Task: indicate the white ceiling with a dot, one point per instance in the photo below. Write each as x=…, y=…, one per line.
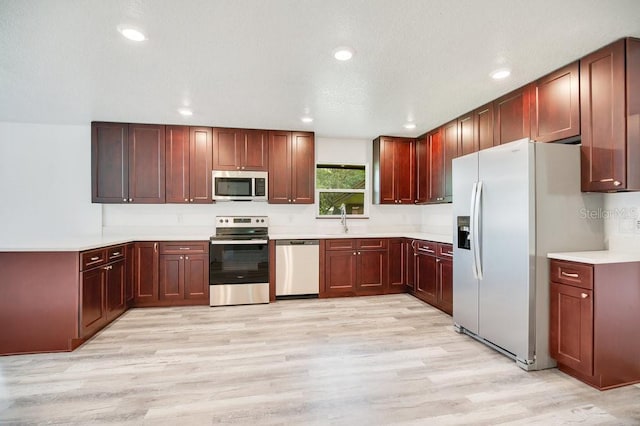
x=264, y=64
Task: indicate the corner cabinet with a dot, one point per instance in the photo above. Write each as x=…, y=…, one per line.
x=291, y=167
x=610, y=121
x=593, y=322
x=393, y=170
x=188, y=164
x=127, y=163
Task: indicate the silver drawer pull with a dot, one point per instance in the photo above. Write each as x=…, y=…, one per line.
x=606, y=180
x=95, y=258
x=567, y=274
x=185, y=248
x=584, y=295
x=115, y=253
x=426, y=249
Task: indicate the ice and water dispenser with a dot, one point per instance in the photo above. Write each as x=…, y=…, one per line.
x=464, y=236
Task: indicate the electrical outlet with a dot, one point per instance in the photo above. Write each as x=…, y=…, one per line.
x=637, y=229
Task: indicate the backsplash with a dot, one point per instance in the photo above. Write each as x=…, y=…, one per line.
x=621, y=216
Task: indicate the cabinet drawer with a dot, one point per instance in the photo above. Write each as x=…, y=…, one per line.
x=93, y=258
x=445, y=250
x=426, y=247
x=372, y=243
x=182, y=247
x=572, y=273
x=340, y=244
x=115, y=253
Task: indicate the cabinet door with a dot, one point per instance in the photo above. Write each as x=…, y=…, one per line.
x=131, y=273
x=422, y=170
x=196, y=276
x=426, y=287
x=92, y=306
x=171, y=279
x=255, y=152
x=397, y=262
x=404, y=163
x=555, y=105
x=115, y=289
x=177, y=164
x=512, y=116
x=146, y=272
x=571, y=327
x=303, y=165
x=387, y=172
x=109, y=162
x=279, y=167
x=467, y=143
x=410, y=266
x=436, y=167
x=603, y=114
x=146, y=163
x=450, y=144
x=445, y=285
x=226, y=146
x=372, y=275
x=483, y=126
x=340, y=272
x=200, y=159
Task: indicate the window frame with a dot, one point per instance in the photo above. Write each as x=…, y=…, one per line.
x=366, y=191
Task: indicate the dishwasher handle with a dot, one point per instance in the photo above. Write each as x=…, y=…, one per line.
x=297, y=242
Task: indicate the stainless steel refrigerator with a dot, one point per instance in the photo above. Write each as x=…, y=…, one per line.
x=513, y=204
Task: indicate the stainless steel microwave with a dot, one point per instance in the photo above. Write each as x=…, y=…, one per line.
x=240, y=186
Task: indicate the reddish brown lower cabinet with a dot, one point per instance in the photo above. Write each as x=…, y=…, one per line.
x=444, y=279
x=433, y=274
x=146, y=273
x=130, y=271
x=594, y=315
x=115, y=289
x=93, y=314
x=183, y=273
x=354, y=267
x=426, y=286
x=398, y=265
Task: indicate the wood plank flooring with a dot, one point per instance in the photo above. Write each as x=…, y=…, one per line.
x=353, y=361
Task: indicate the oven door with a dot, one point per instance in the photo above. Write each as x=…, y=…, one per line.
x=238, y=272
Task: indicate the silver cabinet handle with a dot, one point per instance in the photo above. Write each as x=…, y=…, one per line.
x=186, y=199
x=181, y=258
x=191, y=200
x=116, y=253
x=186, y=257
x=185, y=248
x=124, y=199
x=567, y=274
x=584, y=295
x=616, y=183
x=426, y=250
x=95, y=258
x=354, y=253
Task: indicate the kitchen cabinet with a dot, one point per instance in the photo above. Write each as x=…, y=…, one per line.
x=184, y=272
x=188, y=164
x=355, y=267
x=512, y=116
x=130, y=271
x=422, y=170
x=442, y=149
x=593, y=321
x=467, y=142
x=291, y=167
x=483, y=126
x=127, y=163
x=433, y=274
x=555, y=105
x=240, y=149
x=409, y=266
x=146, y=273
x=102, y=281
x=610, y=117
x=397, y=265
x=394, y=170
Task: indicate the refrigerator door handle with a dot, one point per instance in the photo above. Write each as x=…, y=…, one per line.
x=472, y=225
x=477, y=259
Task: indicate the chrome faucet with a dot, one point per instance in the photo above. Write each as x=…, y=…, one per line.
x=343, y=218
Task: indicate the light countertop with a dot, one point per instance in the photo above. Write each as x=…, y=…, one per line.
x=597, y=257
x=415, y=235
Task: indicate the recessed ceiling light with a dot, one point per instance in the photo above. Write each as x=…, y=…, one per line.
x=186, y=112
x=132, y=33
x=307, y=119
x=410, y=126
x=500, y=74
x=343, y=53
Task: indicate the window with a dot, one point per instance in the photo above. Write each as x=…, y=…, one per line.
x=338, y=184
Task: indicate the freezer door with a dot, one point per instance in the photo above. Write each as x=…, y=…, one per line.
x=465, y=285
x=507, y=247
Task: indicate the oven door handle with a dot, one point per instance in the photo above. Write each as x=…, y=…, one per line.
x=220, y=242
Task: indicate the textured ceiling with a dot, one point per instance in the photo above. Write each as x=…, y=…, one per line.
x=265, y=64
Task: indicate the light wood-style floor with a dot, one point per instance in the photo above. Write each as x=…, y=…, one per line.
x=353, y=361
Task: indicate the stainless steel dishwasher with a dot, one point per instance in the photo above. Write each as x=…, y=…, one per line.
x=297, y=268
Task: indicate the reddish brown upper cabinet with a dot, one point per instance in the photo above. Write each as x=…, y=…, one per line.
x=422, y=170
x=291, y=167
x=512, y=116
x=394, y=170
x=594, y=320
x=240, y=149
x=442, y=149
x=188, y=164
x=610, y=117
x=483, y=126
x=467, y=142
x=555, y=105
x=128, y=163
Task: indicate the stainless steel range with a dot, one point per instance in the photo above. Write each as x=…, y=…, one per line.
x=239, y=261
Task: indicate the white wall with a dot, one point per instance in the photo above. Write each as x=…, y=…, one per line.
x=45, y=183
x=621, y=215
